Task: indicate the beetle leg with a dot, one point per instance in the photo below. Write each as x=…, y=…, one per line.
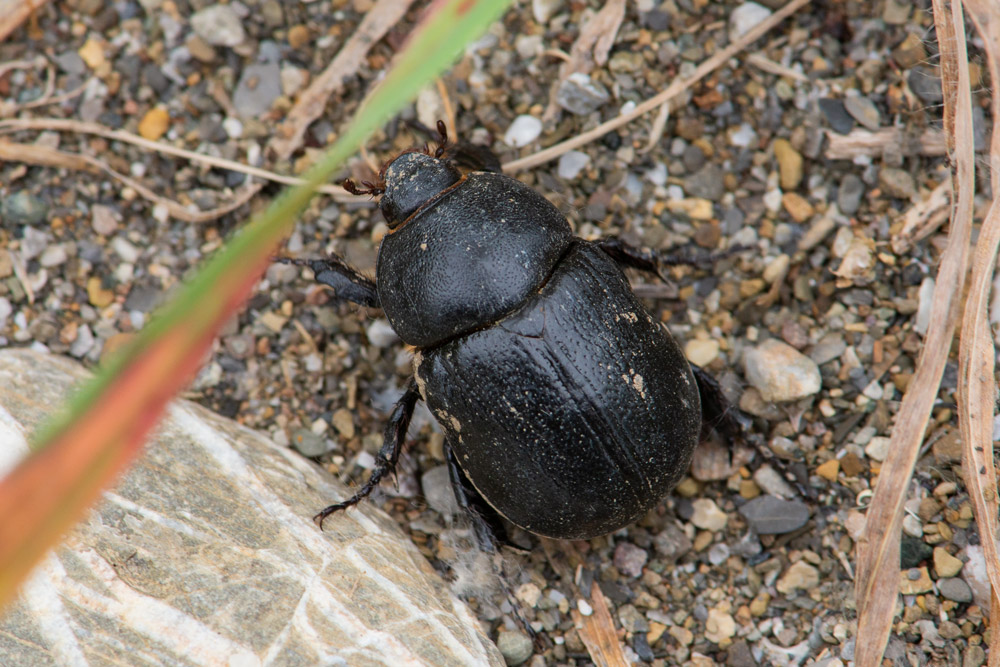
x=388, y=455
x=486, y=522
x=728, y=421
x=645, y=259
x=346, y=281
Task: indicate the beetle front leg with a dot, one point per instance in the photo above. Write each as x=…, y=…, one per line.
x=388, y=455
x=718, y=414
x=347, y=283
x=652, y=261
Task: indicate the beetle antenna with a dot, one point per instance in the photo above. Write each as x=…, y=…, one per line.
x=369, y=188
x=442, y=138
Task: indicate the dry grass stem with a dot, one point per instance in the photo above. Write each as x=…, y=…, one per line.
x=762, y=62
x=80, y=127
x=311, y=104
x=15, y=12
x=673, y=90
x=597, y=632
x=877, y=583
x=977, y=353
x=591, y=47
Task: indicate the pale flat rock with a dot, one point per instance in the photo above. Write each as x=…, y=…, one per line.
x=205, y=553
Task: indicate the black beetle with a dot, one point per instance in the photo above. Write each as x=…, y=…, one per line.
x=566, y=407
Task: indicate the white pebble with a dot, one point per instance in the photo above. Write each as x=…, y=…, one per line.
x=124, y=249
x=743, y=136
x=657, y=174
x=380, y=334
x=925, y=298
x=523, y=131
x=584, y=607
x=571, y=164
x=745, y=17
x=54, y=255
x=233, y=127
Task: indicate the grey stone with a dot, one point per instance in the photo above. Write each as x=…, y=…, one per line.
x=955, y=589
x=23, y=208
x=897, y=183
x=770, y=515
x=630, y=559
x=926, y=84
x=71, y=62
x=308, y=444
x=836, y=115
x=516, y=647
x=580, y=95
x=436, y=485
x=259, y=87
x=864, y=111
x=707, y=183
x=849, y=195
x=205, y=553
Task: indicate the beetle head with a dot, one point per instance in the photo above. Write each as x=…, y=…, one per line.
x=411, y=180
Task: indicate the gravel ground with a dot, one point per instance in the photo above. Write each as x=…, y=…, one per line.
x=814, y=331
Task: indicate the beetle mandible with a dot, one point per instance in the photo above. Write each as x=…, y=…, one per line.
x=566, y=407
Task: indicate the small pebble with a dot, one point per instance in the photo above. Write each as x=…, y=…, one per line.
x=524, y=130
x=926, y=84
x=720, y=626
x=381, y=334
x=955, y=589
x=915, y=581
x=789, y=164
x=718, y=553
x=897, y=183
x=571, y=163
x=438, y=492
x=630, y=559
x=864, y=111
x=154, y=123
x=771, y=481
x=849, y=194
x=343, y=421
x=581, y=95
x=701, y=351
x=516, y=647
x=836, y=115
x=770, y=515
x=877, y=448
x=218, y=25
x=258, y=88
x=910, y=51
x=800, y=576
x=946, y=565
x=745, y=17
x=309, y=444
x=707, y=515
x=23, y=208
x=780, y=372
x=53, y=256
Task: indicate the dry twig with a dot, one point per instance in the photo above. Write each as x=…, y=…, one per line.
x=591, y=47
x=923, y=218
x=856, y=143
x=310, y=105
x=670, y=92
x=877, y=583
